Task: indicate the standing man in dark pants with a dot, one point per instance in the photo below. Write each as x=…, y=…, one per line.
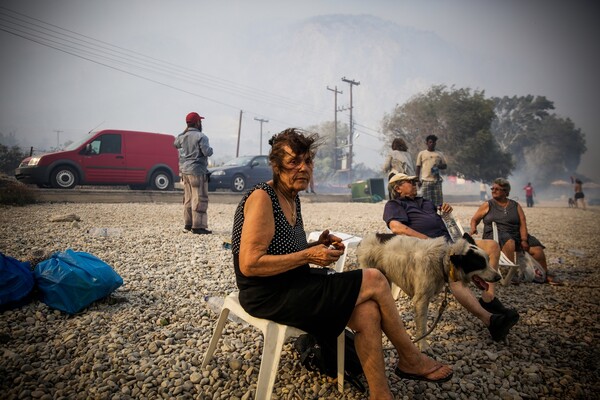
x=529, y=193
x=194, y=151
x=429, y=164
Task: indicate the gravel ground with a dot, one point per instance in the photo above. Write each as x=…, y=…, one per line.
x=148, y=339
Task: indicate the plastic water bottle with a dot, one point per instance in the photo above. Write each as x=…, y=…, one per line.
x=452, y=226
x=105, y=232
x=215, y=304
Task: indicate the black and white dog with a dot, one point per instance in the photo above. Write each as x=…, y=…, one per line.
x=421, y=267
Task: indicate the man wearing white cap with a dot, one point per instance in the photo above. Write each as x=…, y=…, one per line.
x=194, y=150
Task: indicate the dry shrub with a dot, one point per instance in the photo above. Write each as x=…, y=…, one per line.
x=14, y=193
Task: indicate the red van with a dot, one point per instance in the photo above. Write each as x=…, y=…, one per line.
x=108, y=157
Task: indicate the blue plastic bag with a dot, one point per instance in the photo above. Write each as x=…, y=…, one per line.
x=16, y=282
x=70, y=281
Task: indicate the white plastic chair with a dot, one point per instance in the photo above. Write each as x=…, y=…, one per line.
x=348, y=240
x=274, y=334
x=504, y=260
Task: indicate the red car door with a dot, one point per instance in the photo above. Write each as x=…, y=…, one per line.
x=103, y=160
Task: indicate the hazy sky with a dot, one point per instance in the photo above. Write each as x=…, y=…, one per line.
x=542, y=47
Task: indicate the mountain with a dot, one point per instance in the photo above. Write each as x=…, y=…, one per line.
x=390, y=61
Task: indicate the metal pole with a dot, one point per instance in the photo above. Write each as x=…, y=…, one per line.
x=237, y=150
x=335, y=111
x=352, y=83
x=261, y=123
x=57, y=138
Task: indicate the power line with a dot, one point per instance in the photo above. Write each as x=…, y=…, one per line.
x=131, y=54
x=106, y=55
x=139, y=65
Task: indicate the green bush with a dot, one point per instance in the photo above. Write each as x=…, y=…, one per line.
x=14, y=193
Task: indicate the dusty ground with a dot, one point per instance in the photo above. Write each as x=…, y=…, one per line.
x=151, y=342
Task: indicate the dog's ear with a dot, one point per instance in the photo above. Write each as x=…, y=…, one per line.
x=384, y=237
x=468, y=238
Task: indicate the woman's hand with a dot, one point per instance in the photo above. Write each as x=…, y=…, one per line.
x=323, y=255
x=525, y=245
x=331, y=241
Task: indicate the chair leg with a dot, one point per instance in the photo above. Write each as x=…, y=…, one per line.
x=511, y=272
x=215, y=337
x=274, y=338
x=341, y=360
x=395, y=291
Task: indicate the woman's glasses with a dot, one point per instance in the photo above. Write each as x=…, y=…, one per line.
x=497, y=189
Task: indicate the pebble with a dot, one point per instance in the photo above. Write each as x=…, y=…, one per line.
x=151, y=344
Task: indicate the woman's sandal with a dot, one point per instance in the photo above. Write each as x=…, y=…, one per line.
x=415, y=377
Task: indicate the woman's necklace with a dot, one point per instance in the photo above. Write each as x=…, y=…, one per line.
x=292, y=204
x=504, y=207
x=293, y=208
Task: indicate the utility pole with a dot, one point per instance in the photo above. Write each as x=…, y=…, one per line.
x=261, y=123
x=237, y=150
x=335, y=111
x=57, y=138
x=352, y=83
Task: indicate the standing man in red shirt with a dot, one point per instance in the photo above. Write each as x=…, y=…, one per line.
x=529, y=193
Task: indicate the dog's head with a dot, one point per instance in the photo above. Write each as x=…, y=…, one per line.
x=472, y=264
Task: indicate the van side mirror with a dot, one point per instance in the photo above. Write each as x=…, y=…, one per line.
x=254, y=164
x=88, y=149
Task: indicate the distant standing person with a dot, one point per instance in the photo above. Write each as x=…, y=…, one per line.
x=482, y=192
x=429, y=164
x=194, y=150
x=529, y=193
x=399, y=160
x=579, y=196
x=311, y=186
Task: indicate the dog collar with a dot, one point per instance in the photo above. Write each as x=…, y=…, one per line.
x=452, y=273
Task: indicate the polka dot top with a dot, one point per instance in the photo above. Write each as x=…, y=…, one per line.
x=287, y=239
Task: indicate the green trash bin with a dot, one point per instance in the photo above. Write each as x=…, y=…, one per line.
x=368, y=191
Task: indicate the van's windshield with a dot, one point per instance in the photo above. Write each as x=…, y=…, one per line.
x=77, y=143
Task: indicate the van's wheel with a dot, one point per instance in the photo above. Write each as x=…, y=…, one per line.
x=64, y=177
x=238, y=183
x=161, y=180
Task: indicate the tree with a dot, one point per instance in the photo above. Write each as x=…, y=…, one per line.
x=10, y=157
x=517, y=121
x=545, y=147
x=556, y=152
x=9, y=139
x=327, y=152
x=461, y=120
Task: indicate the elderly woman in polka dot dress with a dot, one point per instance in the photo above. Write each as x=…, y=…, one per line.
x=271, y=260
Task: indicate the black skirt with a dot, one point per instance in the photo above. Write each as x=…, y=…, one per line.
x=317, y=302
